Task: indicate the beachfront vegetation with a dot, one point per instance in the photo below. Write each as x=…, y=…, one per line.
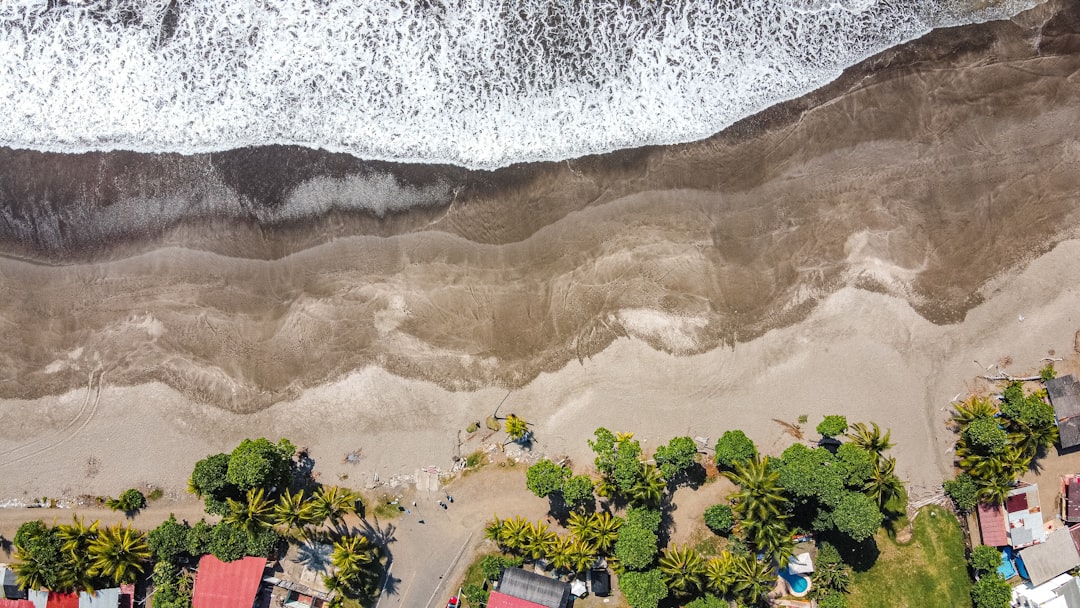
x=997, y=443
x=130, y=502
x=517, y=428
x=842, y=493
x=832, y=426
x=78, y=557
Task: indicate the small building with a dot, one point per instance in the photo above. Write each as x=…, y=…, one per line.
x=221, y=584
x=9, y=587
x=1070, y=498
x=1023, y=516
x=520, y=589
x=1059, y=592
x=1046, y=560
x=992, y=525
x=102, y=598
x=1064, y=393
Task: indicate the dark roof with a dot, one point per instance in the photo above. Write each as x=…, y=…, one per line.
x=1048, y=559
x=501, y=600
x=1064, y=393
x=1069, y=432
x=1016, y=502
x=601, y=582
x=533, y=588
x=227, y=585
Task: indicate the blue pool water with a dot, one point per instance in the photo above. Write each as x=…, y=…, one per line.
x=797, y=582
x=1006, y=569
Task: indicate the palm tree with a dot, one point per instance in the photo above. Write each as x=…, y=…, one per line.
x=720, y=573
x=582, y=554
x=992, y=490
x=870, y=440
x=753, y=579
x=493, y=530
x=29, y=572
x=684, y=570
x=538, y=540
x=649, y=490
x=77, y=536
x=333, y=503
x=293, y=512
x=582, y=525
x=252, y=515
x=974, y=407
x=514, y=533
x=774, y=539
x=883, y=484
x=760, y=496
x=516, y=427
x=606, y=531
x=119, y=553
x=560, y=553
x=350, y=555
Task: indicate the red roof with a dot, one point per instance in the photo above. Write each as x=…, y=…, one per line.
x=62, y=600
x=992, y=525
x=227, y=585
x=16, y=604
x=501, y=600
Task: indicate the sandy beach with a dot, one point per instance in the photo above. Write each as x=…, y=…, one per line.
x=868, y=250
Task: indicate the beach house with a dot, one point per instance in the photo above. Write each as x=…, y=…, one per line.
x=520, y=589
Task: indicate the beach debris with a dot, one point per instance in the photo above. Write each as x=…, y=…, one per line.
x=353, y=457
x=791, y=429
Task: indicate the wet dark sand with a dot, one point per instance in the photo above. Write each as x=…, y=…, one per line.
x=243, y=277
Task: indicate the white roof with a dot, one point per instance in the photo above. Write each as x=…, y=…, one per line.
x=578, y=588
x=801, y=564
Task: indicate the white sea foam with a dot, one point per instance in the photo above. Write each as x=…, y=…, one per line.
x=479, y=83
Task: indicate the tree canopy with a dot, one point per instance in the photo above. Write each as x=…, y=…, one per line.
x=257, y=463
x=546, y=478
x=734, y=447
x=676, y=457
x=833, y=426
x=636, y=547
x=643, y=589
x=857, y=516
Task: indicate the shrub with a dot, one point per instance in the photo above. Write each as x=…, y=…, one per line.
x=991, y=591
x=1047, y=373
x=169, y=541
x=643, y=589
x=986, y=435
x=636, y=547
x=720, y=519
x=985, y=559
x=708, y=601
x=676, y=457
x=833, y=599
x=578, y=490
x=643, y=517
x=129, y=501
x=857, y=516
x=546, y=478
x=475, y=595
x=492, y=565
x=733, y=447
x=963, y=492
x=832, y=426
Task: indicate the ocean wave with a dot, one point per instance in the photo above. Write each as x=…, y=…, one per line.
x=477, y=83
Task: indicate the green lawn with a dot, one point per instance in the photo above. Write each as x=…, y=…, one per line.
x=927, y=572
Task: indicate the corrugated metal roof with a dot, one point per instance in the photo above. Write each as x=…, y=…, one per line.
x=501, y=600
x=1069, y=432
x=1072, y=502
x=992, y=525
x=534, y=588
x=1064, y=393
x=1050, y=558
x=102, y=598
x=227, y=585
x=16, y=604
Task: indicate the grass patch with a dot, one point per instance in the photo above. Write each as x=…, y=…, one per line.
x=927, y=572
x=382, y=508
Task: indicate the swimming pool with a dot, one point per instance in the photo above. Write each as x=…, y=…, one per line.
x=798, y=583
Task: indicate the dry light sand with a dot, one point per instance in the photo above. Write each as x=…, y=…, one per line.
x=867, y=250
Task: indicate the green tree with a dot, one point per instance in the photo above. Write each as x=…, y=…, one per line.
x=546, y=478
x=208, y=482
x=578, y=492
x=831, y=573
x=857, y=465
x=605, y=531
x=719, y=519
x=77, y=536
x=259, y=464
x=643, y=589
x=350, y=555
x=870, y=438
x=991, y=591
x=493, y=565
x=676, y=458
x=732, y=448
x=708, y=601
x=228, y=542
x=973, y=409
x=538, y=541
x=649, y=488
x=41, y=561
x=832, y=426
x=636, y=547
x=720, y=573
x=644, y=517
x=963, y=492
x=883, y=484
x=857, y=516
x=199, y=538
x=986, y=436
x=812, y=473
x=169, y=541
x=985, y=559
x=514, y=533
x=833, y=599
x=119, y=554
x=683, y=570
x=130, y=501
